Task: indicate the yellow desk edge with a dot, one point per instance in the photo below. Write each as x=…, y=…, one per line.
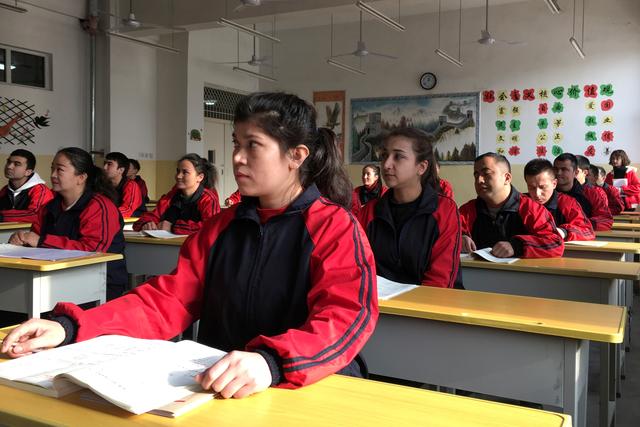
x=37, y=265
x=177, y=241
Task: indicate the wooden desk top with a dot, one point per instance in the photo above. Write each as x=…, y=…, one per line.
x=569, y=319
x=614, y=247
x=14, y=225
x=36, y=265
x=130, y=220
x=578, y=267
x=627, y=218
x=625, y=226
x=177, y=241
x=336, y=400
x=625, y=234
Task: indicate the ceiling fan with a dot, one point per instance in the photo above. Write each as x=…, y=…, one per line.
x=255, y=61
x=131, y=21
x=485, y=36
x=361, y=49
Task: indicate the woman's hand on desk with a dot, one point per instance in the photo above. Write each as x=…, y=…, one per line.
x=468, y=245
x=149, y=226
x=238, y=374
x=165, y=225
x=32, y=336
x=502, y=250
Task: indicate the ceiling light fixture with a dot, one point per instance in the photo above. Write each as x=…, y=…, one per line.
x=345, y=66
x=577, y=46
x=445, y=55
x=441, y=53
x=553, y=6
x=254, y=74
x=240, y=27
x=380, y=16
x=143, y=42
x=13, y=8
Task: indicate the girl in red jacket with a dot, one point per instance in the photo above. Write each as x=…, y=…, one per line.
x=414, y=229
x=623, y=176
x=190, y=202
x=372, y=188
x=285, y=281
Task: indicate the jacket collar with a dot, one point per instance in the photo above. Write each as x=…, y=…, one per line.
x=181, y=200
x=511, y=205
x=248, y=208
x=427, y=205
x=56, y=205
x=552, y=203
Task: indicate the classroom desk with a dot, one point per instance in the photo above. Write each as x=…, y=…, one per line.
x=525, y=348
x=151, y=256
x=128, y=223
x=8, y=228
x=627, y=217
x=625, y=226
x=151, y=205
x=618, y=236
x=33, y=287
x=336, y=400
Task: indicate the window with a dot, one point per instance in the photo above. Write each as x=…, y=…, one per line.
x=220, y=104
x=24, y=67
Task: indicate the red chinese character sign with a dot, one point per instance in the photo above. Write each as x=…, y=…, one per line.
x=526, y=122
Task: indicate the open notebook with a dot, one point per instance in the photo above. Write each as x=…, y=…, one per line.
x=135, y=374
x=158, y=234
x=44, y=254
x=485, y=253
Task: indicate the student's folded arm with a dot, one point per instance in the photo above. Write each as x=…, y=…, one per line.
x=159, y=309
x=152, y=216
x=467, y=217
x=542, y=240
x=342, y=304
x=577, y=225
x=39, y=196
x=131, y=199
x=445, y=253
x=601, y=218
x=633, y=185
x=182, y=226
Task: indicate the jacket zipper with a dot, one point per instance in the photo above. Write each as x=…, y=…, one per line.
x=253, y=276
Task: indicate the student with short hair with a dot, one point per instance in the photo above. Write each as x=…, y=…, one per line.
x=629, y=183
x=371, y=188
x=81, y=216
x=592, y=201
x=284, y=324
x=26, y=192
x=596, y=178
x=132, y=174
x=190, y=202
x=414, y=230
x=502, y=219
x=567, y=213
x=129, y=197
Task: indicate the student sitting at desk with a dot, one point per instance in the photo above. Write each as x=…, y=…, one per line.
x=592, y=201
x=190, y=202
x=26, y=192
x=371, y=188
x=132, y=174
x=624, y=177
x=502, y=219
x=81, y=216
x=285, y=325
x=596, y=178
x=567, y=213
x=414, y=231
x=129, y=199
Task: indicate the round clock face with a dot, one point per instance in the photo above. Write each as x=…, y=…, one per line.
x=428, y=81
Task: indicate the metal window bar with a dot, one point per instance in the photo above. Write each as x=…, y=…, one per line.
x=220, y=104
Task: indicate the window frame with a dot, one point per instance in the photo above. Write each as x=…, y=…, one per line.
x=48, y=73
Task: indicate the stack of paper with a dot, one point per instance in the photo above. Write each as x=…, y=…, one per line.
x=43, y=254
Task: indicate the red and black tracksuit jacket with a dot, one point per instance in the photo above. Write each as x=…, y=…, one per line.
x=362, y=195
x=615, y=203
x=426, y=249
x=234, y=198
x=25, y=206
x=526, y=224
x=300, y=289
x=568, y=215
x=593, y=204
x=446, y=188
x=631, y=191
x=144, y=191
x=186, y=214
x=92, y=224
x=129, y=201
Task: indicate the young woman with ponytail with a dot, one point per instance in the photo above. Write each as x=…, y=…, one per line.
x=284, y=281
x=413, y=229
x=81, y=216
x=191, y=201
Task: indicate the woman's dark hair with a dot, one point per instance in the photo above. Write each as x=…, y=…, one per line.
x=622, y=154
x=292, y=121
x=423, y=150
x=202, y=166
x=96, y=179
x=375, y=168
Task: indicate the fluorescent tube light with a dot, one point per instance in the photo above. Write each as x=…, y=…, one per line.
x=345, y=66
x=380, y=16
x=577, y=47
x=239, y=27
x=448, y=57
x=13, y=8
x=143, y=42
x=553, y=6
x=258, y=75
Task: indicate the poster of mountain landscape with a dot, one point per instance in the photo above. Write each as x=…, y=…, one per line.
x=450, y=121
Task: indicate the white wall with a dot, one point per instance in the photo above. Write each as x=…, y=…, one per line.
x=67, y=103
x=547, y=60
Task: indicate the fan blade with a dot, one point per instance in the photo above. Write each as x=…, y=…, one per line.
x=511, y=43
x=239, y=8
x=382, y=55
x=232, y=62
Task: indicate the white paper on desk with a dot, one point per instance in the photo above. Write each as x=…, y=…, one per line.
x=161, y=234
x=592, y=243
x=486, y=254
x=133, y=233
x=620, y=182
x=43, y=254
x=388, y=289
